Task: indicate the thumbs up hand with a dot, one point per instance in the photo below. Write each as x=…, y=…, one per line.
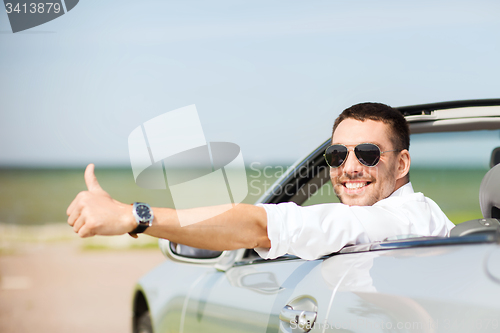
x=91, y=179
x=94, y=212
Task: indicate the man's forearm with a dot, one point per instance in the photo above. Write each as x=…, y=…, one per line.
x=243, y=226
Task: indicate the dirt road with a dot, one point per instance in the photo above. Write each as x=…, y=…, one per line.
x=59, y=287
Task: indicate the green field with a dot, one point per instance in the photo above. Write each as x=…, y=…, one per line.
x=456, y=191
x=40, y=196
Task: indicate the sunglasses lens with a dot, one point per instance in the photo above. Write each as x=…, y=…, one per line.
x=335, y=155
x=367, y=154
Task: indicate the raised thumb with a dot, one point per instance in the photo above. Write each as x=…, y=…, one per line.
x=91, y=180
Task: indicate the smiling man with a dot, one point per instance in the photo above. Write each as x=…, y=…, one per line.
x=379, y=136
x=369, y=164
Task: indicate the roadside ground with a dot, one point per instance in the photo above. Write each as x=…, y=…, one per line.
x=53, y=281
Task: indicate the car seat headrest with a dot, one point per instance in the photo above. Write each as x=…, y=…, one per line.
x=495, y=157
x=489, y=193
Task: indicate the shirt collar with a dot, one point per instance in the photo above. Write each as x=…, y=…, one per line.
x=403, y=190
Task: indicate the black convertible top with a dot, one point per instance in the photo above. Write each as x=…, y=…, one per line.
x=427, y=108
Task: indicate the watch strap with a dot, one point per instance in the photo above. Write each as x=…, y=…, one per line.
x=140, y=228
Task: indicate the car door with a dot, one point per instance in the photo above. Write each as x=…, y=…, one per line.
x=259, y=296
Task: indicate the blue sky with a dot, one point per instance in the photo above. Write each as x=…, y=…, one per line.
x=270, y=76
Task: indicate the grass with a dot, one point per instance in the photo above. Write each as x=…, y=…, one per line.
x=15, y=238
x=131, y=246
x=41, y=196
x=456, y=191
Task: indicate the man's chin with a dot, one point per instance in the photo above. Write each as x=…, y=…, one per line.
x=358, y=196
x=351, y=202
x=355, y=200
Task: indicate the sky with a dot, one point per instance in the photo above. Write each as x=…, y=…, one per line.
x=270, y=76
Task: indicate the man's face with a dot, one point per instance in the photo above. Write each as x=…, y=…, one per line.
x=354, y=183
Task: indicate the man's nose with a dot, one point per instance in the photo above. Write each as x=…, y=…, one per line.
x=352, y=165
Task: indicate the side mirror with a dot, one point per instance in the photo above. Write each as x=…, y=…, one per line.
x=221, y=260
x=192, y=252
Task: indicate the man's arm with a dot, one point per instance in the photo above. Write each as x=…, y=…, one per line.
x=94, y=212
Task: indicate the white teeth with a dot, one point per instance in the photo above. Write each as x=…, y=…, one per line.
x=354, y=185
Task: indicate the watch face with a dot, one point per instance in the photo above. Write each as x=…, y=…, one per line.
x=143, y=212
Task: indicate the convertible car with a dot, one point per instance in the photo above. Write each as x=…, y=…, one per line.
x=405, y=284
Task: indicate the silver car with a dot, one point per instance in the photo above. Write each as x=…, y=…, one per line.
x=405, y=284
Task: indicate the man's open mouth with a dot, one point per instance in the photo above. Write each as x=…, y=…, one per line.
x=355, y=185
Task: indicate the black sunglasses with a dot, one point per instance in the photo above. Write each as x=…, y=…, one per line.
x=367, y=154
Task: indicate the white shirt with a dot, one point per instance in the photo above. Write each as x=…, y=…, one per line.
x=314, y=231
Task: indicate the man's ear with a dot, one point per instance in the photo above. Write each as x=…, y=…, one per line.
x=403, y=163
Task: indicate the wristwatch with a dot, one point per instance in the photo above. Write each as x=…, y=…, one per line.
x=143, y=215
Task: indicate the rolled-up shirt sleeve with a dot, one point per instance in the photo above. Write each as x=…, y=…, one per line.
x=313, y=231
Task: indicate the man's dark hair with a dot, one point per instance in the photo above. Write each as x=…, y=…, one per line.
x=400, y=137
